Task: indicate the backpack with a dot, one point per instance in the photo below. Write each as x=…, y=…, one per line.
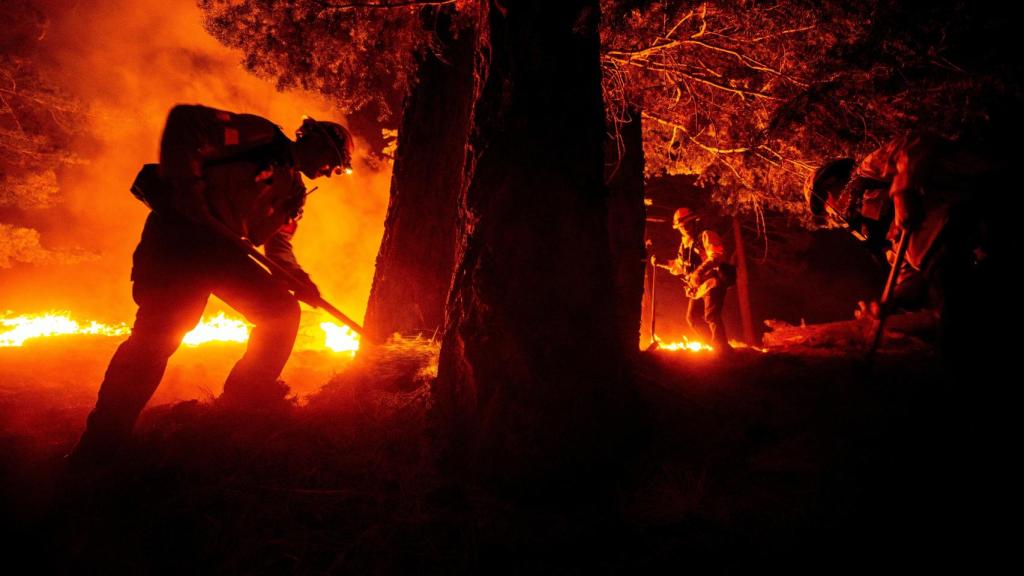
x=150, y=189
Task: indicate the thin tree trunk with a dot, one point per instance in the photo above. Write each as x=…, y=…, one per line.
x=743, y=283
x=624, y=172
x=417, y=254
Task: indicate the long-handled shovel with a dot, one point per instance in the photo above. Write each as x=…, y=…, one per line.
x=885, y=306
x=654, y=306
x=149, y=186
x=292, y=281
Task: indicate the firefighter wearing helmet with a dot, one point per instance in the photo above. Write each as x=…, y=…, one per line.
x=221, y=176
x=702, y=262
x=937, y=192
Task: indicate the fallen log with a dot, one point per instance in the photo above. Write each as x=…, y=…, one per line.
x=850, y=333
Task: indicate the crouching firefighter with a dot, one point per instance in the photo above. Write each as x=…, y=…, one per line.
x=702, y=263
x=222, y=177
x=940, y=195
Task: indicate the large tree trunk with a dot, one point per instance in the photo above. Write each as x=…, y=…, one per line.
x=624, y=172
x=531, y=357
x=417, y=254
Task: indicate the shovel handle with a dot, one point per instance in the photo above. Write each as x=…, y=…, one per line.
x=885, y=305
x=277, y=270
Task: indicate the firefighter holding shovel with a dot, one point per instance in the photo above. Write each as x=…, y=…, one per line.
x=225, y=182
x=931, y=202
x=702, y=261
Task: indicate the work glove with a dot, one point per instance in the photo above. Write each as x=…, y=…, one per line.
x=307, y=292
x=867, y=310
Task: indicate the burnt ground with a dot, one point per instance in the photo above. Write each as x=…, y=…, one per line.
x=805, y=460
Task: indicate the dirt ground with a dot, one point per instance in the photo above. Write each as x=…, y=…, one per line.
x=804, y=460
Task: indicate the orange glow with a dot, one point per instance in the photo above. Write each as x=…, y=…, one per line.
x=340, y=338
x=220, y=328
x=18, y=329
x=685, y=344
x=151, y=56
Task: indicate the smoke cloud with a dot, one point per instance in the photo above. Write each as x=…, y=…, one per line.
x=128, y=62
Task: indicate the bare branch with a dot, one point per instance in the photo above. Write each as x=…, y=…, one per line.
x=42, y=100
x=644, y=51
x=736, y=173
x=747, y=61
x=682, y=21
x=691, y=138
x=743, y=93
x=382, y=5
x=780, y=163
x=944, y=62
x=14, y=83
x=804, y=166
x=782, y=33
x=14, y=115
x=703, y=21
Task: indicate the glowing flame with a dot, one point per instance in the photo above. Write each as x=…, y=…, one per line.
x=21, y=328
x=340, y=338
x=685, y=344
x=220, y=328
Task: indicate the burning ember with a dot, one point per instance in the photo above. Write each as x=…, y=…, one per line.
x=340, y=338
x=685, y=344
x=17, y=329
x=219, y=328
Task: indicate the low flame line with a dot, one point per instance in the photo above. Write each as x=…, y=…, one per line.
x=16, y=330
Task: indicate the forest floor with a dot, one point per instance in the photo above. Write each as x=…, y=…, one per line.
x=803, y=459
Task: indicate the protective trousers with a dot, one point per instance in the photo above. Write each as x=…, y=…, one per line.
x=177, y=265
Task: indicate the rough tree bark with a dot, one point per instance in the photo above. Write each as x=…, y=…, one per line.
x=417, y=254
x=531, y=357
x=624, y=173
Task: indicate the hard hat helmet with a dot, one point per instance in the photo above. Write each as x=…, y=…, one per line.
x=824, y=186
x=682, y=216
x=338, y=138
